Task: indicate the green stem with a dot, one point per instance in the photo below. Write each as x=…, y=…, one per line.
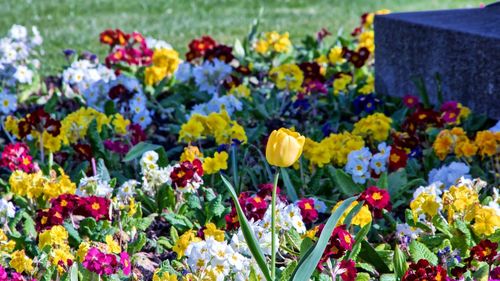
x=234, y=168
x=273, y=228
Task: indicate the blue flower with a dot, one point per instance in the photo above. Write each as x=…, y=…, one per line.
x=143, y=118
x=230, y=103
x=210, y=74
x=449, y=174
x=8, y=102
x=378, y=163
x=184, y=72
x=384, y=149
x=366, y=103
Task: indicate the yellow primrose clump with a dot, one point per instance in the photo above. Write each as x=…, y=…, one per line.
x=486, y=221
x=183, y=242
x=375, y=127
x=212, y=231
x=287, y=77
x=460, y=202
x=362, y=218
x=165, y=63
x=34, y=185
x=426, y=204
x=218, y=125
x=216, y=163
x=340, y=83
x=273, y=41
x=20, y=262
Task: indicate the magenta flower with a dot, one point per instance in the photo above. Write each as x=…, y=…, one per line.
x=125, y=263
x=411, y=101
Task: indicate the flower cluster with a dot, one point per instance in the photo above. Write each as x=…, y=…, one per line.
x=15, y=156
x=165, y=63
x=218, y=125
x=35, y=185
x=273, y=42
x=374, y=127
x=361, y=164
x=333, y=149
x=129, y=48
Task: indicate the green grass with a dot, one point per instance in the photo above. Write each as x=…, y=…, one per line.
x=76, y=24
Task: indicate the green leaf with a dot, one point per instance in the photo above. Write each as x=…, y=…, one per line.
x=363, y=276
x=419, y=251
x=400, y=265
x=73, y=233
x=290, y=190
x=344, y=182
x=29, y=226
x=139, y=149
x=382, y=181
x=95, y=140
x=137, y=245
x=248, y=233
x=360, y=236
x=371, y=256
x=308, y=263
x=73, y=272
x=102, y=171
x=288, y=271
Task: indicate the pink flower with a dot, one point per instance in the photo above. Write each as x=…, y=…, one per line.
x=411, y=101
x=125, y=263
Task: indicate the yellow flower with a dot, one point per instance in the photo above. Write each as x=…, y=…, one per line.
x=120, y=123
x=190, y=131
x=20, y=262
x=6, y=245
x=261, y=47
x=424, y=204
x=183, y=242
x=443, y=144
x=83, y=248
x=362, y=218
x=486, y=221
x=11, y=125
x=367, y=40
x=335, y=55
x=215, y=164
x=284, y=147
x=460, y=202
x=190, y=153
x=241, y=91
x=166, y=58
x=486, y=141
x=60, y=256
x=287, y=76
x=164, y=276
x=318, y=154
x=154, y=74
x=113, y=246
x=51, y=143
x=57, y=235
x=375, y=127
x=75, y=125
x=280, y=43
x=340, y=84
x=465, y=148
x=36, y=184
x=212, y=231
x=369, y=87
x=369, y=20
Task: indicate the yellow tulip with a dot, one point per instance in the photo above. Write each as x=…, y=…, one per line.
x=284, y=147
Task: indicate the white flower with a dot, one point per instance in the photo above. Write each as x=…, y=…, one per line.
x=7, y=210
x=434, y=188
x=37, y=38
x=127, y=189
x=23, y=74
x=149, y=157
x=154, y=44
x=8, y=102
x=18, y=32
x=403, y=229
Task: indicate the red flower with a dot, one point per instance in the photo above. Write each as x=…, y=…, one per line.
x=348, y=270
x=220, y=52
x=117, y=146
x=137, y=134
x=45, y=219
x=495, y=274
x=95, y=207
x=358, y=58
x=198, y=47
x=484, y=251
x=322, y=34
x=397, y=159
x=16, y=157
x=311, y=72
x=84, y=151
x=340, y=242
x=423, y=270
x=307, y=210
x=183, y=174
x=411, y=101
x=65, y=203
x=39, y=121
x=377, y=199
x=114, y=37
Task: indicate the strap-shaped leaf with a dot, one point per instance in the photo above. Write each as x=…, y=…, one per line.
x=248, y=233
x=290, y=190
x=308, y=263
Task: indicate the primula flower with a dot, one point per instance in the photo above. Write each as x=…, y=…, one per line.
x=220, y=52
x=287, y=77
x=95, y=207
x=484, y=251
x=411, y=101
x=16, y=157
x=340, y=242
x=198, y=47
x=307, y=210
x=185, y=172
x=377, y=199
x=214, y=164
x=347, y=270
x=423, y=270
x=20, y=262
x=125, y=263
x=397, y=159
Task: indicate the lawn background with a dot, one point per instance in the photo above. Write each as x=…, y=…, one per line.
x=76, y=24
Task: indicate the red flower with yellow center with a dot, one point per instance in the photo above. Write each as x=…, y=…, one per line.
x=307, y=210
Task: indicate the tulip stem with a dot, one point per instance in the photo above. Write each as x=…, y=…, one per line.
x=273, y=228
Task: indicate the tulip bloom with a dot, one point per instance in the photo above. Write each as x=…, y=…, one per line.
x=284, y=147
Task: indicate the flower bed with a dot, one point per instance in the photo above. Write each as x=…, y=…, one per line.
x=264, y=160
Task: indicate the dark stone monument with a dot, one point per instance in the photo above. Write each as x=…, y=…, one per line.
x=463, y=46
